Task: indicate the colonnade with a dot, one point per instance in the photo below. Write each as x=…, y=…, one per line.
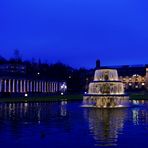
x=23, y=86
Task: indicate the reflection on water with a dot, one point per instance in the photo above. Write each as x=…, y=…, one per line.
x=137, y=102
x=63, y=108
x=65, y=124
x=31, y=112
x=140, y=117
x=106, y=124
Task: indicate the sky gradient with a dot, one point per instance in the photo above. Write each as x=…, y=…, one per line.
x=76, y=32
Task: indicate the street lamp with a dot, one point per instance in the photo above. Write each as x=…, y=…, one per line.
x=63, y=88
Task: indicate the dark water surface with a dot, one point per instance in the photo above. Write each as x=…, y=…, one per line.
x=59, y=125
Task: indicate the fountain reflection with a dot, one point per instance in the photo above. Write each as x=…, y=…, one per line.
x=105, y=125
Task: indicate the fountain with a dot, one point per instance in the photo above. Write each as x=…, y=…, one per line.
x=106, y=91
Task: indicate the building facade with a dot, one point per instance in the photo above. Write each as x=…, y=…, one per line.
x=133, y=82
x=25, y=87
x=14, y=81
x=134, y=77
x=12, y=68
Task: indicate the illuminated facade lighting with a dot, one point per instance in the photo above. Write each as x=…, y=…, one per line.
x=143, y=84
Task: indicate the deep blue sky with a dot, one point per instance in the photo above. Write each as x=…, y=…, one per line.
x=76, y=32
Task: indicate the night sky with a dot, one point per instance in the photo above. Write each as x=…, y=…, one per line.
x=76, y=32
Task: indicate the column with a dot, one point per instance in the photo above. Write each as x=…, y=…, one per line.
x=17, y=85
x=34, y=88
x=5, y=85
x=45, y=87
x=25, y=86
x=56, y=86
x=30, y=86
x=49, y=86
x=42, y=86
x=52, y=86
x=13, y=86
x=21, y=86
x=9, y=88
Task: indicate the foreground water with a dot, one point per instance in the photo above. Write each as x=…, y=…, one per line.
x=67, y=125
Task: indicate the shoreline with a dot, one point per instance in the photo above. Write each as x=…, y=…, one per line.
x=55, y=98
x=58, y=98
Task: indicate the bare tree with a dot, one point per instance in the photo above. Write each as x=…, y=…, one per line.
x=17, y=56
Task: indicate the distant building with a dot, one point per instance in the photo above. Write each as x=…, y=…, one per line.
x=134, y=77
x=25, y=86
x=12, y=69
x=14, y=82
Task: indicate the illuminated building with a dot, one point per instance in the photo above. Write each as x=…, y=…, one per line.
x=15, y=82
x=134, y=77
x=12, y=86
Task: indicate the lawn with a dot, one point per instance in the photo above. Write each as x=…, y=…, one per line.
x=74, y=97
x=44, y=99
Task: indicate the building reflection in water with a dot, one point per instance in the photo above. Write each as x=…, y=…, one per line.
x=63, y=108
x=17, y=119
x=137, y=102
x=139, y=114
x=105, y=125
x=26, y=112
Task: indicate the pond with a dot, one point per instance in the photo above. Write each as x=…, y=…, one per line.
x=67, y=125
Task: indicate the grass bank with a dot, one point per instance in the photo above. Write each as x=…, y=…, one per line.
x=74, y=97
x=44, y=99
x=139, y=97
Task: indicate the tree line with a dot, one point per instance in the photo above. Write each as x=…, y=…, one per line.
x=77, y=79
